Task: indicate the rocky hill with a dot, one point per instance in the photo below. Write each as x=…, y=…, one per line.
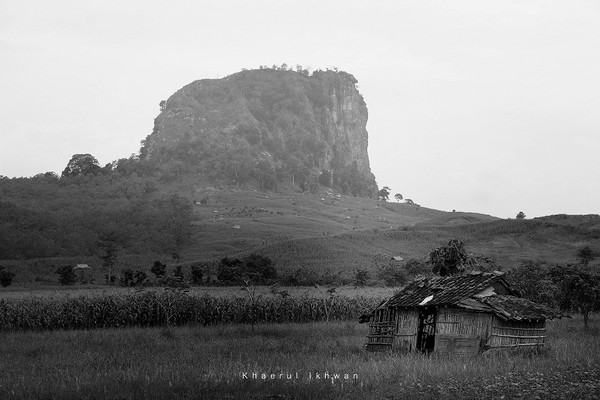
x=267, y=128
x=266, y=161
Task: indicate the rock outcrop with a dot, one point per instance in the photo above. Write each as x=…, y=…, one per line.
x=268, y=127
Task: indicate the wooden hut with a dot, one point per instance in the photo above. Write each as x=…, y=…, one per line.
x=466, y=313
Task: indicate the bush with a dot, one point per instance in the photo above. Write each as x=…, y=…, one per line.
x=197, y=274
x=300, y=277
x=361, y=277
x=127, y=278
x=260, y=266
x=140, y=277
x=415, y=267
x=203, y=272
x=66, y=275
x=325, y=178
x=392, y=275
x=158, y=269
x=178, y=272
x=6, y=277
x=133, y=278
x=173, y=282
x=255, y=267
x=230, y=270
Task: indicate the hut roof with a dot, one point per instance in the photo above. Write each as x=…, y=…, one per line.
x=517, y=308
x=445, y=290
x=469, y=292
x=82, y=266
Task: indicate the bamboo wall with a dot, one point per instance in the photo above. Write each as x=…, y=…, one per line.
x=517, y=333
x=381, y=330
x=459, y=322
x=459, y=331
x=407, y=326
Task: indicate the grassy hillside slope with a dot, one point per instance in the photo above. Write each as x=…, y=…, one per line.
x=340, y=233
x=328, y=232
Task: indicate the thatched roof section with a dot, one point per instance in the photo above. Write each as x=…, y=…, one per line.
x=513, y=308
x=445, y=290
x=470, y=292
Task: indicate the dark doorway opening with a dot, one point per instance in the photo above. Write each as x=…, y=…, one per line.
x=426, y=333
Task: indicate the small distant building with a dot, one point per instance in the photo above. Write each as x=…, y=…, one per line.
x=397, y=258
x=84, y=272
x=466, y=313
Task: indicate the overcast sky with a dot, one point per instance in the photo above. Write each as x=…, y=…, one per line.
x=484, y=106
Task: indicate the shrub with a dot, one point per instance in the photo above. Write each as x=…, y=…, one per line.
x=158, y=269
x=133, y=278
x=361, y=277
x=392, y=275
x=66, y=275
x=110, y=280
x=173, y=282
x=325, y=178
x=6, y=277
x=140, y=277
x=127, y=278
x=415, y=267
x=300, y=277
x=230, y=270
x=197, y=274
x=178, y=272
x=254, y=267
x=260, y=266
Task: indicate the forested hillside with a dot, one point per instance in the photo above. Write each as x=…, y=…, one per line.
x=89, y=214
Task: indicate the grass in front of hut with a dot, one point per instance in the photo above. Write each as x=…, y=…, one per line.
x=288, y=360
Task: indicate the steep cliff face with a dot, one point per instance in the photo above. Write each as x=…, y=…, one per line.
x=269, y=127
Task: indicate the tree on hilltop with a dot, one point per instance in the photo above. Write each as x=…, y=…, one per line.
x=384, y=193
x=82, y=164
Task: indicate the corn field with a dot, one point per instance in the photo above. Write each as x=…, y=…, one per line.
x=172, y=307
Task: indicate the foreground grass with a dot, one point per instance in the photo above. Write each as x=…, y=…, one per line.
x=197, y=362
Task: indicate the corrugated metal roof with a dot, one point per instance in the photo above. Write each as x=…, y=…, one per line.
x=445, y=290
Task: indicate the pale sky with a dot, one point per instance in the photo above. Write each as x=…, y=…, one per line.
x=483, y=106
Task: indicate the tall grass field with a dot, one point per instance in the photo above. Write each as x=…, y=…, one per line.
x=322, y=360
